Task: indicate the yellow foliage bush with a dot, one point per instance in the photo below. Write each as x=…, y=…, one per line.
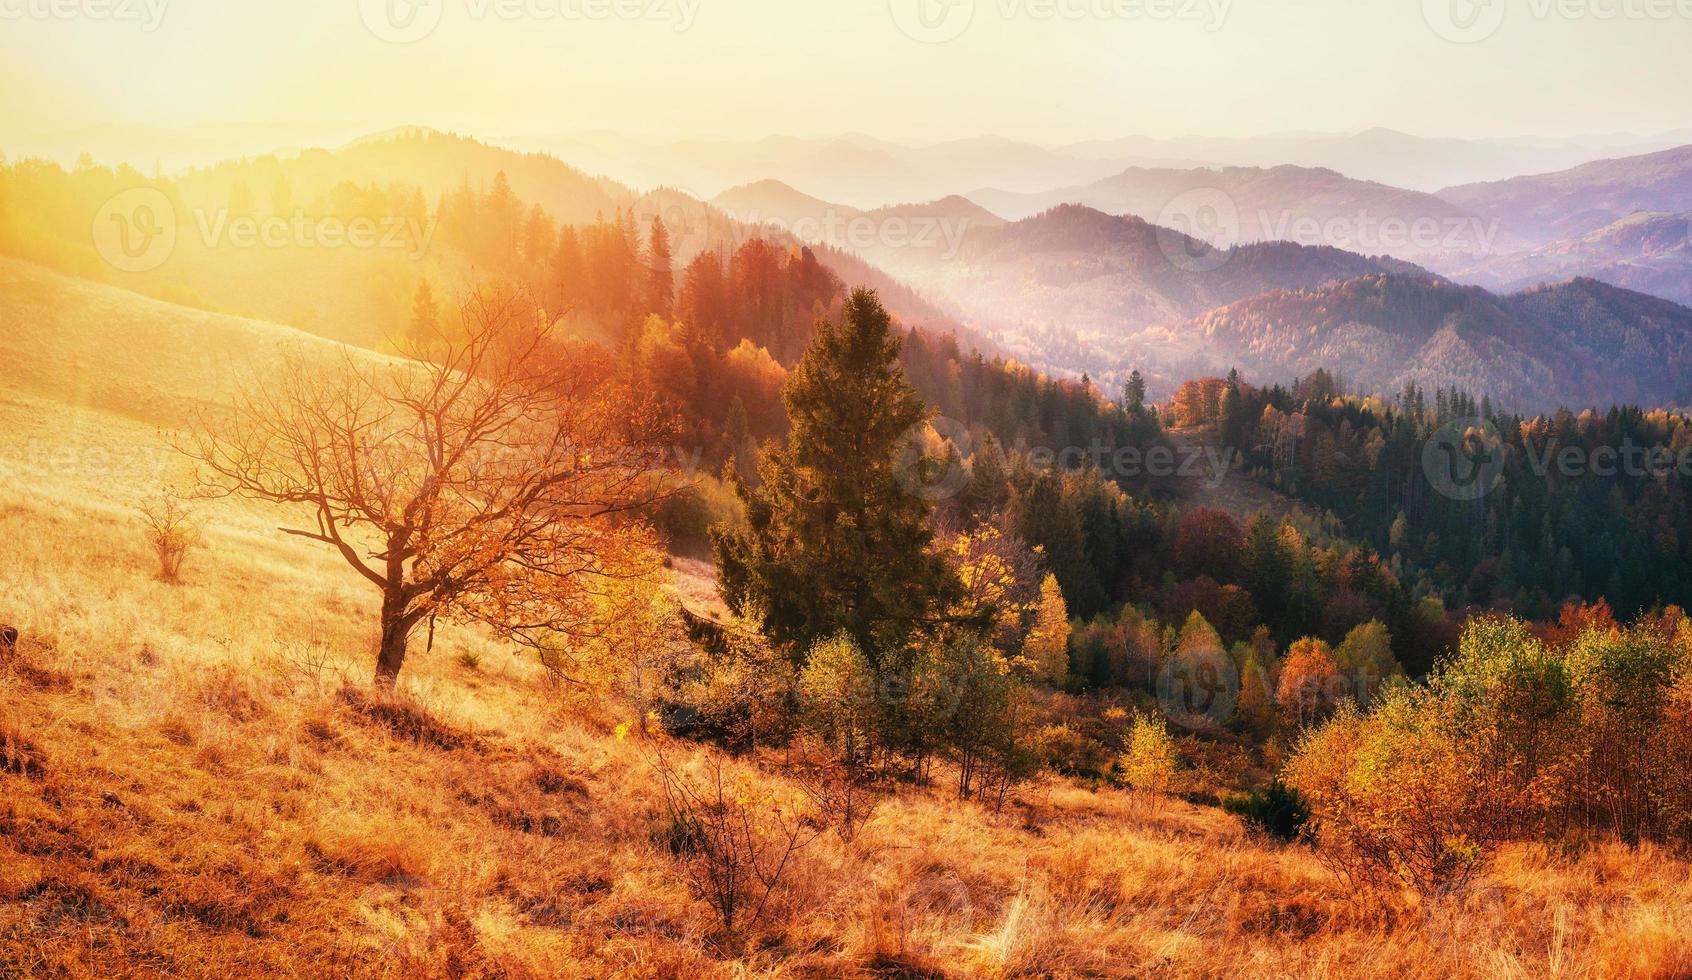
x=1149, y=762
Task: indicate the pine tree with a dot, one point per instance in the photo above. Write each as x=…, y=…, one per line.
x=738, y=441
x=661, y=277
x=1232, y=420
x=425, y=316
x=989, y=480
x=1134, y=394
x=567, y=271
x=502, y=214
x=1046, y=517
x=834, y=543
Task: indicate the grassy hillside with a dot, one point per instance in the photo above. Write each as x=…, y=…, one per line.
x=195, y=780
x=95, y=347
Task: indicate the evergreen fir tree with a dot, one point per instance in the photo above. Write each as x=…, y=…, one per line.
x=989, y=480
x=425, y=315
x=661, y=277
x=834, y=543
x=1134, y=394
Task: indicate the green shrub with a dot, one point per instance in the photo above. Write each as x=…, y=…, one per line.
x=686, y=517
x=1275, y=811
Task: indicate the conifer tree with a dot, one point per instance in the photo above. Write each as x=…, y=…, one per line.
x=661, y=277
x=989, y=480
x=1046, y=518
x=425, y=316
x=834, y=542
x=1134, y=394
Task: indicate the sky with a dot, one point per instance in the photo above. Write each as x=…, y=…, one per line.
x=1048, y=71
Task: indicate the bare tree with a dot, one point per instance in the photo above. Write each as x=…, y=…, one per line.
x=500, y=479
x=171, y=531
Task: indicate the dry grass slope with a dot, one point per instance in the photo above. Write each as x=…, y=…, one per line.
x=195, y=782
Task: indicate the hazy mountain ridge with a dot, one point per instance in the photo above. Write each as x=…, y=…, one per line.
x=1312, y=206
x=1578, y=343
x=435, y=162
x=869, y=172
x=857, y=170
x=1649, y=252
x=1069, y=290
x=1547, y=207
x=438, y=164
x=1387, y=155
x=1067, y=287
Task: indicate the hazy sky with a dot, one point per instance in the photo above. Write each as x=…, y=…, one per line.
x=915, y=70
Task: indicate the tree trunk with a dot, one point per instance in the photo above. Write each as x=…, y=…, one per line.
x=396, y=631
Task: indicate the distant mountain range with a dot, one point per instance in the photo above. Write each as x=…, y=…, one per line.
x=856, y=170
x=1388, y=156
x=435, y=162
x=867, y=172
x=1092, y=278
x=439, y=163
x=1621, y=221
x=1065, y=288
x=897, y=238
x=1286, y=203
x=1074, y=289
x=1583, y=199
x=1579, y=343
x=1647, y=251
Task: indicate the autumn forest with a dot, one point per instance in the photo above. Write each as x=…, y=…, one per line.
x=446, y=554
